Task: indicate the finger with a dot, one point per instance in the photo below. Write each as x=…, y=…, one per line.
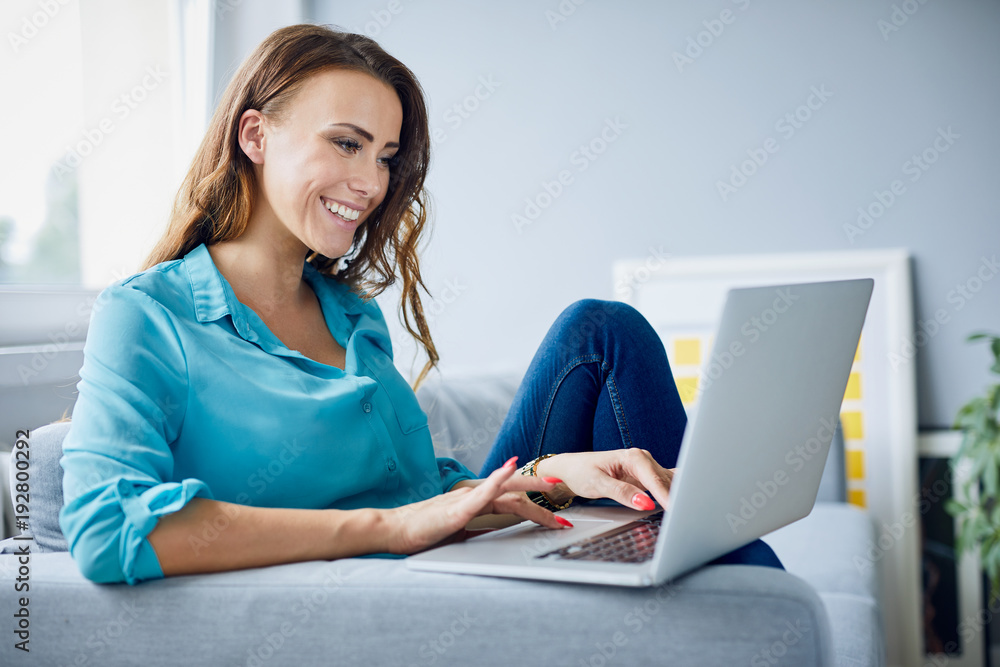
x=652, y=476
x=519, y=504
x=491, y=487
x=531, y=483
x=627, y=494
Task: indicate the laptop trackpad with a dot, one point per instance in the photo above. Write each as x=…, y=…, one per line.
x=585, y=520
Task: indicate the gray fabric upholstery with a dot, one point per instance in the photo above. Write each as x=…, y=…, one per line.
x=827, y=549
x=45, y=448
x=823, y=611
x=376, y=612
x=464, y=414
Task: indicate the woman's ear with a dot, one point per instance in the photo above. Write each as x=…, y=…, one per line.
x=251, y=135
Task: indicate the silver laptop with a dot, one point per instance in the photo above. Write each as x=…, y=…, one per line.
x=750, y=461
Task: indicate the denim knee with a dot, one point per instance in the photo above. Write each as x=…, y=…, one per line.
x=583, y=319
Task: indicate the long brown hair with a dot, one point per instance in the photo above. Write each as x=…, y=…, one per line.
x=217, y=196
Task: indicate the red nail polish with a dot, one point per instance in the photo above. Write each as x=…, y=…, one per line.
x=564, y=522
x=510, y=462
x=552, y=480
x=642, y=501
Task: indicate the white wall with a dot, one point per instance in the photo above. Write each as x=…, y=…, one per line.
x=556, y=85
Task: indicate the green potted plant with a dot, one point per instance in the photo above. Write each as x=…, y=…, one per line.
x=976, y=502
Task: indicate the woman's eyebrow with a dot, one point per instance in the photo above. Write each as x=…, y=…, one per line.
x=364, y=133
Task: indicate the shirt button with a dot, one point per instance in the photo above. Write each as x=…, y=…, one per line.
x=391, y=465
x=367, y=407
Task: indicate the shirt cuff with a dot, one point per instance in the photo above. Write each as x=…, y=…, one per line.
x=452, y=472
x=142, y=511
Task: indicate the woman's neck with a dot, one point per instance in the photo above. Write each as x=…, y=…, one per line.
x=263, y=274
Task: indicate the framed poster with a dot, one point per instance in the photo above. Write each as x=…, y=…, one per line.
x=683, y=298
x=956, y=616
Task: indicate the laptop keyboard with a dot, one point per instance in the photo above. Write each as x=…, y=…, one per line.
x=632, y=543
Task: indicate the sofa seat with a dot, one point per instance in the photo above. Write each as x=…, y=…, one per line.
x=377, y=612
x=823, y=611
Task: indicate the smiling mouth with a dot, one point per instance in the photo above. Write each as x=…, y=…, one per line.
x=345, y=212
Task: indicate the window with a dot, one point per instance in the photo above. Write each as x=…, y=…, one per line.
x=43, y=116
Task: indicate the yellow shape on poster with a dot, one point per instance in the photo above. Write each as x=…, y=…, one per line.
x=853, y=426
x=687, y=387
x=857, y=497
x=687, y=352
x=857, y=352
x=855, y=464
x=853, y=386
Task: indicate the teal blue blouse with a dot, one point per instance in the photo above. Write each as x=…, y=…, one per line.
x=185, y=392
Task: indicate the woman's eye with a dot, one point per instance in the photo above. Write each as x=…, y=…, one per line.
x=349, y=145
x=389, y=161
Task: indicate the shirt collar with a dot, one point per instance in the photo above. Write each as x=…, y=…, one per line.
x=214, y=297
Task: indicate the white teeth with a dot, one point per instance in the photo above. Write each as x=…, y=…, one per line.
x=342, y=211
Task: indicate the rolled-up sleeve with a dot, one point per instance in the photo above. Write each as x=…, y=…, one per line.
x=117, y=461
x=452, y=472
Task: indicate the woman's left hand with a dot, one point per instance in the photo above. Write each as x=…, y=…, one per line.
x=621, y=474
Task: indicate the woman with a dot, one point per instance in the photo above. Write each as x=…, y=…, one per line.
x=238, y=406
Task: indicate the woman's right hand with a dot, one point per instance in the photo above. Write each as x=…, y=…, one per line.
x=418, y=526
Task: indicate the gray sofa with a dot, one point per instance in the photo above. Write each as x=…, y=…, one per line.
x=823, y=611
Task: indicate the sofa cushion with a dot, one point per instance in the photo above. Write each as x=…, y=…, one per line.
x=45, y=450
x=828, y=549
x=378, y=612
x=464, y=414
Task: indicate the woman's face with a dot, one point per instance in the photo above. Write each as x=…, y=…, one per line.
x=324, y=167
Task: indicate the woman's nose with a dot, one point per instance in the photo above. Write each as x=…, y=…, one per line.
x=367, y=178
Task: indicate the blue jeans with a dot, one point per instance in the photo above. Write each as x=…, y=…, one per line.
x=601, y=380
